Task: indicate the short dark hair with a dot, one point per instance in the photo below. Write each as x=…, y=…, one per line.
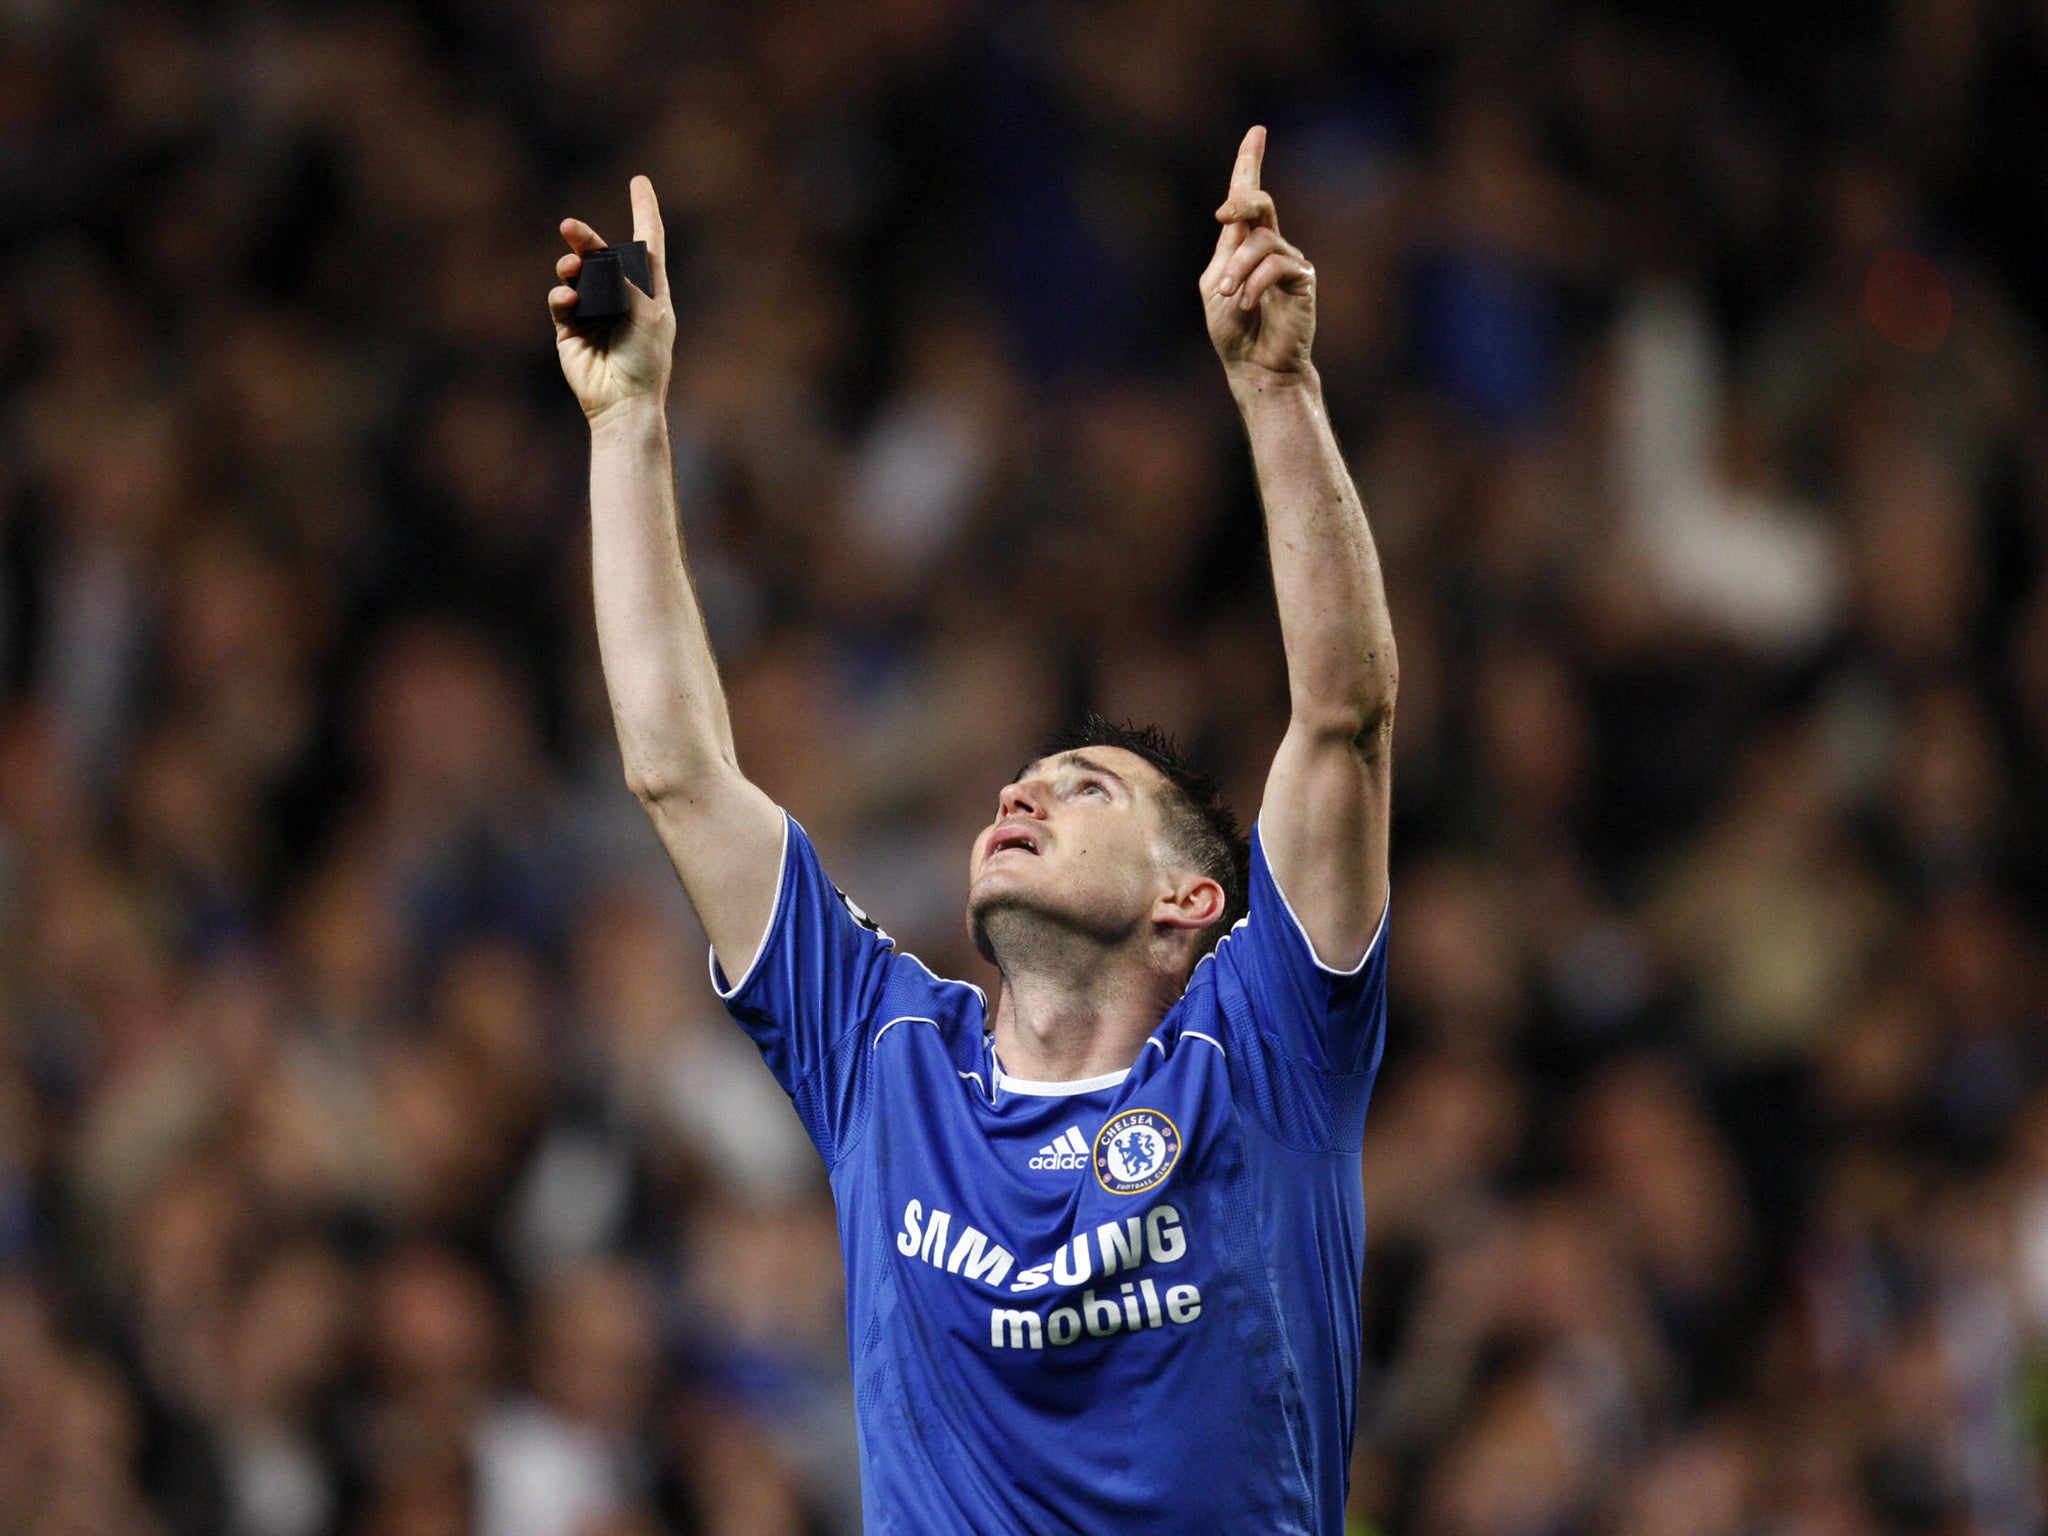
x=1202, y=827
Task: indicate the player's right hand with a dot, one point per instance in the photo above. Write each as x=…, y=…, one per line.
x=624, y=362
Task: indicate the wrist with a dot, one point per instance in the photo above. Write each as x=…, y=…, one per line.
x=635, y=417
x=1250, y=383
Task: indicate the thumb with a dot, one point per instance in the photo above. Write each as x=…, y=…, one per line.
x=1228, y=239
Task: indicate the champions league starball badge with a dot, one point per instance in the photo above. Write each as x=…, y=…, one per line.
x=1136, y=1151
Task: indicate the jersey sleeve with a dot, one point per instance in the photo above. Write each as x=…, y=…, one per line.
x=817, y=979
x=1285, y=1001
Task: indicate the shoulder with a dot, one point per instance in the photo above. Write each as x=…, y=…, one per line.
x=919, y=1001
x=1272, y=940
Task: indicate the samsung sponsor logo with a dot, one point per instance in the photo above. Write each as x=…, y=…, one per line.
x=1156, y=1237
x=1135, y=1307
x=1077, y=1267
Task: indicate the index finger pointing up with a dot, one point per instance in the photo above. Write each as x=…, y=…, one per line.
x=647, y=226
x=1244, y=176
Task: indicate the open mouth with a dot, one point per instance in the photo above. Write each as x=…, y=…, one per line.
x=1008, y=841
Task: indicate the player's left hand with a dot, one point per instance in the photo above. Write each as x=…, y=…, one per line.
x=1258, y=292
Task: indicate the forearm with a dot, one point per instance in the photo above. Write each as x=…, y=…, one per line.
x=667, y=703
x=1334, y=622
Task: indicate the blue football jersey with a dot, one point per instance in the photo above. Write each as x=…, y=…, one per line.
x=1128, y=1304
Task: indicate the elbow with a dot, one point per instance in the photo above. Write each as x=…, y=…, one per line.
x=651, y=788
x=657, y=785
x=1366, y=729
x=1359, y=712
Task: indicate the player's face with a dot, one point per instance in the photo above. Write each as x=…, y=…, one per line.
x=1078, y=838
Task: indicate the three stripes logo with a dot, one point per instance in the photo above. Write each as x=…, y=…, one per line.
x=1067, y=1150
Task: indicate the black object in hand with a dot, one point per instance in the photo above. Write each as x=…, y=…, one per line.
x=601, y=285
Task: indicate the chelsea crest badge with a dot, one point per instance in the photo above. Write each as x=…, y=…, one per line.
x=1136, y=1151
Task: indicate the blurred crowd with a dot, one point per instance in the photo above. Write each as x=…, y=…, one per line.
x=374, y=1158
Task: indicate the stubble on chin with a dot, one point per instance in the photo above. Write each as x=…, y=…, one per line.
x=998, y=922
x=1018, y=931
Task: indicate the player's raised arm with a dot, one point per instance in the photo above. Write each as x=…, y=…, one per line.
x=723, y=833
x=1324, y=819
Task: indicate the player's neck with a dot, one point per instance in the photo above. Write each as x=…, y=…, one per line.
x=1073, y=1022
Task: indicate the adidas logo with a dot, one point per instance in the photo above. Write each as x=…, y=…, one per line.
x=1067, y=1150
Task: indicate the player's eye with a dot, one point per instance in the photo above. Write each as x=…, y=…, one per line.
x=1095, y=786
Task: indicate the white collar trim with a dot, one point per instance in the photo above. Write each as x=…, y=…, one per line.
x=1024, y=1085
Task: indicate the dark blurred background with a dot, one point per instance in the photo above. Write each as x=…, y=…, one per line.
x=374, y=1159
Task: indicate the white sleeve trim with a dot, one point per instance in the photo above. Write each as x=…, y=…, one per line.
x=727, y=994
x=902, y=1018
x=1378, y=932
x=945, y=981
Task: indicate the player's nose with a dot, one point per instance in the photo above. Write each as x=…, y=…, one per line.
x=1023, y=798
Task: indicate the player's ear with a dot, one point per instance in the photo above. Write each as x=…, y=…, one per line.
x=1195, y=901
